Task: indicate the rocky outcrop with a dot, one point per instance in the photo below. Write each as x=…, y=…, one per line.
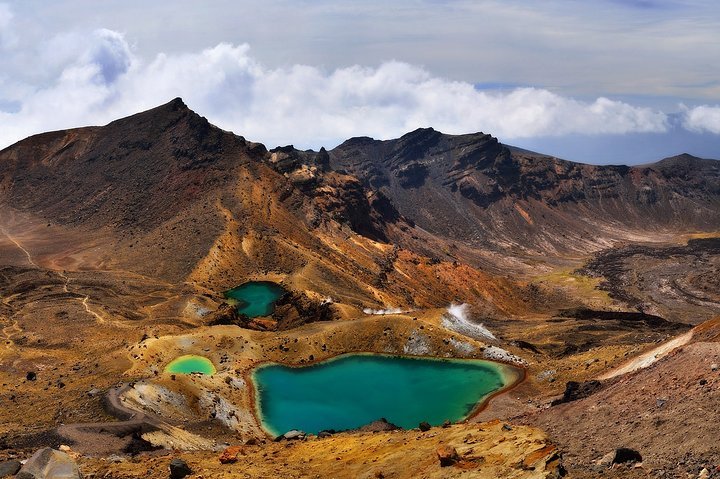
x=381, y=424
x=296, y=308
x=227, y=314
x=48, y=463
x=230, y=454
x=447, y=455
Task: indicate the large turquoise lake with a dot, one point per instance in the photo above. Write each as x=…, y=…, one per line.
x=353, y=390
x=256, y=298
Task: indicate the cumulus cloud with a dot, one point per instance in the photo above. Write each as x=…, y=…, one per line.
x=701, y=119
x=96, y=78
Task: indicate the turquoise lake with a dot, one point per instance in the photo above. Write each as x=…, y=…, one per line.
x=353, y=390
x=256, y=298
x=190, y=364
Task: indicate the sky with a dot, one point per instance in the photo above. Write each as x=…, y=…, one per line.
x=602, y=81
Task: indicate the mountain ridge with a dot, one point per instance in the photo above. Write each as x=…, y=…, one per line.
x=469, y=191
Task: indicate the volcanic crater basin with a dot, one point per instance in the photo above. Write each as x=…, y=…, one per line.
x=352, y=390
x=256, y=298
x=189, y=364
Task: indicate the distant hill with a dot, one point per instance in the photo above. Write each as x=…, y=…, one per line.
x=474, y=189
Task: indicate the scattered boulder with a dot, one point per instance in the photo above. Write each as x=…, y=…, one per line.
x=9, y=468
x=94, y=392
x=447, y=455
x=620, y=455
x=31, y=376
x=49, y=463
x=294, y=434
x=575, y=390
x=625, y=454
x=179, y=469
x=230, y=454
x=381, y=425
x=424, y=426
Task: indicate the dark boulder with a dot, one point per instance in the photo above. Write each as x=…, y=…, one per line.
x=575, y=390
x=625, y=454
x=179, y=469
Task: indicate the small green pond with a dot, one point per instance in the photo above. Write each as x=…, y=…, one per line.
x=356, y=389
x=190, y=364
x=256, y=298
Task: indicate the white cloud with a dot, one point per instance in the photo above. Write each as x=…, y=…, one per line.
x=8, y=37
x=704, y=118
x=98, y=78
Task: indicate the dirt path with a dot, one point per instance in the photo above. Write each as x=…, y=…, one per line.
x=105, y=438
x=646, y=359
x=109, y=437
x=6, y=331
x=17, y=243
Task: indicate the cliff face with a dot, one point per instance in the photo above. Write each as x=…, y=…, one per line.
x=474, y=189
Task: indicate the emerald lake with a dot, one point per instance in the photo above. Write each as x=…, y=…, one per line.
x=190, y=364
x=255, y=298
x=353, y=390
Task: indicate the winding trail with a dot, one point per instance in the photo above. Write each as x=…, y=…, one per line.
x=14, y=241
x=8, y=336
x=84, y=300
x=104, y=438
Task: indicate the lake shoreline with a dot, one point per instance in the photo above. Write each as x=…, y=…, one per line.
x=511, y=375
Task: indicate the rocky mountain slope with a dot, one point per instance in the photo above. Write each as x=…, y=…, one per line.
x=473, y=189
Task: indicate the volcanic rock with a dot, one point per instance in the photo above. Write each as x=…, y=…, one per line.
x=575, y=390
x=9, y=468
x=49, y=463
x=294, y=435
x=296, y=308
x=424, y=426
x=230, y=454
x=179, y=469
x=620, y=456
x=447, y=455
x=381, y=424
